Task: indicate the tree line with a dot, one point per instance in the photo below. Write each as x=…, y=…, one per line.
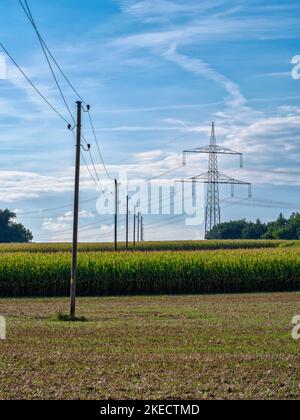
x=281, y=228
x=11, y=231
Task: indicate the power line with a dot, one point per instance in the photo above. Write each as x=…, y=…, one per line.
x=85, y=227
x=275, y=171
x=56, y=208
x=43, y=46
x=162, y=224
x=33, y=85
x=165, y=173
x=89, y=171
x=175, y=217
x=97, y=143
x=193, y=130
x=45, y=50
x=98, y=184
x=30, y=17
x=82, y=229
x=165, y=143
x=95, y=170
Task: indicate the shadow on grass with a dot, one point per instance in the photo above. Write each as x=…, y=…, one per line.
x=61, y=317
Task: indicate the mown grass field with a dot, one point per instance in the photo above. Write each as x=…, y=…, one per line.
x=184, y=347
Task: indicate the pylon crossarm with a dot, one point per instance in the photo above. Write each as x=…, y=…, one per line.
x=205, y=175
x=233, y=183
x=225, y=150
x=214, y=150
x=220, y=181
x=225, y=179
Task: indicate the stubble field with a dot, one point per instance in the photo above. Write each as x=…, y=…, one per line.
x=177, y=347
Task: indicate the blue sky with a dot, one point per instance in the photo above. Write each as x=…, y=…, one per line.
x=156, y=73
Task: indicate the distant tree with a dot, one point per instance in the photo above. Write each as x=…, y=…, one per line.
x=11, y=231
x=254, y=230
x=282, y=228
x=278, y=229
x=294, y=223
x=228, y=230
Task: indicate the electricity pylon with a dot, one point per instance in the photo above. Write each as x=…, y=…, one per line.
x=213, y=178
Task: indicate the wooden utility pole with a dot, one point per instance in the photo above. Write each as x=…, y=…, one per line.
x=127, y=223
x=142, y=229
x=134, y=227
x=116, y=215
x=138, y=226
x=75, y=216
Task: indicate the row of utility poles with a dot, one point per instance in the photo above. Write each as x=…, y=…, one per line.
x=138, y=220
x=138, y=223
x=138, y=228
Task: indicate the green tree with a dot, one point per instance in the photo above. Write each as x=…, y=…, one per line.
x=11, y=231
x=282, y=228
x=278, y=229
x=228, y=230
x=254, y=230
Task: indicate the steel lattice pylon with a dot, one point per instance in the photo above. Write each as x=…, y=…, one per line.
x=213, y=178
x=213, y=211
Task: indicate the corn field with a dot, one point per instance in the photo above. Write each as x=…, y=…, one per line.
x=145, y=246
x=145, y=273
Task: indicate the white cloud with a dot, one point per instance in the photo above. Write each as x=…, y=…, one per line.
x=53, y=226
x=212, y=28
x=173, y=121
x=271, y=146
x=164, y=10
x=262, y=138
x=64, y=223
x=159, y=108
x=148, y=156
x=67, y=217
x=266, y=135
x=200, y=68
x=23, y=185
x=278, y=74
x=139, y=128
x=106, y=228
x=84, y=214
x=18, y=211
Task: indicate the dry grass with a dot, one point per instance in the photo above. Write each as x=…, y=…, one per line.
x=194, y=347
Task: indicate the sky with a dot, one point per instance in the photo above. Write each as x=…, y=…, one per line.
x=156, y=74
